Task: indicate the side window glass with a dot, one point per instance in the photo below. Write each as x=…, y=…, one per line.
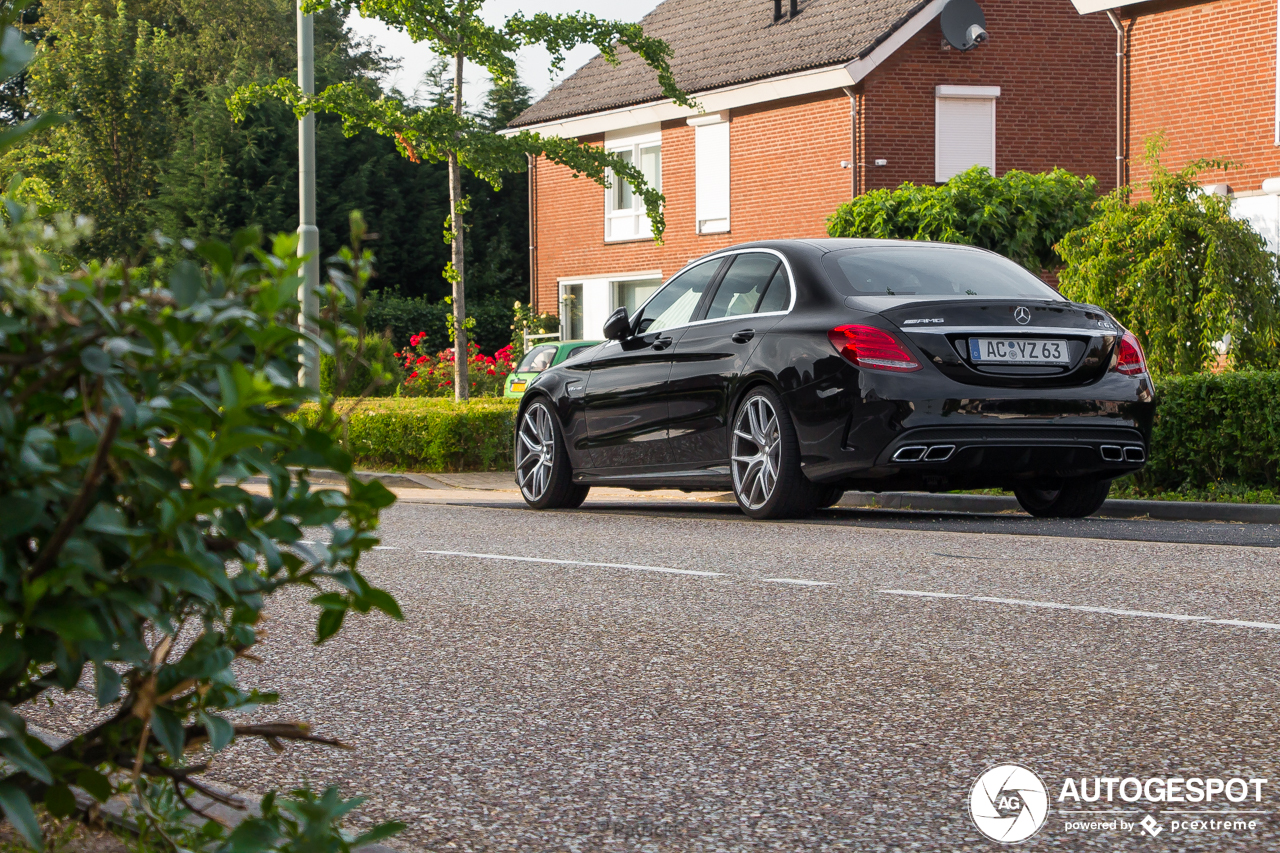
x=778, y=296
x=743, y=285
x=674, y=304
x=537, y=360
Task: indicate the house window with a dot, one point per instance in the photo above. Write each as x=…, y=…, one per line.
x=624, y=215
x=632, y=294
x=711, y=172
x=571, y=312
x=964, y=129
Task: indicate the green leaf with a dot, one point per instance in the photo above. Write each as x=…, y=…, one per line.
x=15, y=750
x=378, y=833
x=106, y=518
x=328, y=624
x=168, y=730
x=220, y=731
x=59, y=800
x=98, y=786
x=17, y=808
x=18, y=512
x=331, y=601
x=382, y=600
x=186, y=283
x=218, y=254
x=107, y=681
x=251, y=836
x=95, y=360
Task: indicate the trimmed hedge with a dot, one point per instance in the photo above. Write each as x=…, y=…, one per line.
x=1222, y=427
x=1209, y=428
x=431, y=434
x=405, y=316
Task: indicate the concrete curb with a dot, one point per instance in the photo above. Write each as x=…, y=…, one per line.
x=933, y=502
x=1162, y=510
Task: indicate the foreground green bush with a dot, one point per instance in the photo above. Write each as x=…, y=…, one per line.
x=429, y=433
x=1214, y=428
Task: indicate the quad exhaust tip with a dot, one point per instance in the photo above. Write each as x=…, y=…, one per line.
x=924, y=453
x=1128, y=453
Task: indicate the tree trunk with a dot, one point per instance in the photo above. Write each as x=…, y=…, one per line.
x=461, y=382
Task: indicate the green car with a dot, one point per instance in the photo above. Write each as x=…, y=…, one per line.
x=538, y=359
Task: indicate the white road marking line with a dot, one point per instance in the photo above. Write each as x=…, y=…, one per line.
x=1107, y=611
x=797, y=581
x=662, y=569
x=385, y=548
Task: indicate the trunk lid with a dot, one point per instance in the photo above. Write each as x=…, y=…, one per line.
x=947, y=332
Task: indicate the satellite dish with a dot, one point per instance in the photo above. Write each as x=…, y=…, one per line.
x=963, y=24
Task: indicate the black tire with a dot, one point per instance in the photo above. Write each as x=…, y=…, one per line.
x=752, y=444
x=829, y=496
x=1078, y=498
x=543, y=471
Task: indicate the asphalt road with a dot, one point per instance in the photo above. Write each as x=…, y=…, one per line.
x=653, y=677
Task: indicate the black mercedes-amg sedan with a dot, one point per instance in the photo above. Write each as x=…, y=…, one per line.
x=792, y=370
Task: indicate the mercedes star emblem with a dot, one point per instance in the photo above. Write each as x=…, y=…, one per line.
x=1022, y=315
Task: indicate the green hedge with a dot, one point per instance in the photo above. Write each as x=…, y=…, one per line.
x=431, y=434
x=404, y=316
x=1211, y=428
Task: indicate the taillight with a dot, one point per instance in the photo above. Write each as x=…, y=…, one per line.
x=867, y=346
x=1130, y=360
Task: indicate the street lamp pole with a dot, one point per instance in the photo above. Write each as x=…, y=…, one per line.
x=308, y=232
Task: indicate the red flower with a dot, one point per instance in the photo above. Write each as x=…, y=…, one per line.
x=413, y=375
x=422, y=359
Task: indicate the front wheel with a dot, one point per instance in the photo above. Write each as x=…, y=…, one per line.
x=543, y=472
x=1063, y=498
x=765, y=460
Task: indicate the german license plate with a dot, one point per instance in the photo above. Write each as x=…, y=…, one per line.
x=1018, y=351
x=517, y=387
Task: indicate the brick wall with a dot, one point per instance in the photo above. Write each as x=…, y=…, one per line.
x=785, y=179
x=1056, y=71
x=1205, y=74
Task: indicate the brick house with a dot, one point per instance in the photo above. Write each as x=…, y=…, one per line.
x=1205, y=73
x=801, y=108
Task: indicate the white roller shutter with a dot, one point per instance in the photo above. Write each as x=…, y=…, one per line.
x=964, y=135
x=711, y=175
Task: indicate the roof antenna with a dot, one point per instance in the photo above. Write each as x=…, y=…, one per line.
x=777, y=11
x=795, y=8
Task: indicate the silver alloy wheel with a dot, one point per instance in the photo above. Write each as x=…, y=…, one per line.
x=535, y=451
x=757, y=452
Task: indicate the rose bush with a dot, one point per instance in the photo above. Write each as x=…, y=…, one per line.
x=431, y=375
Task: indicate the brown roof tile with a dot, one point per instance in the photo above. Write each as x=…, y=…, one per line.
x=717, y=43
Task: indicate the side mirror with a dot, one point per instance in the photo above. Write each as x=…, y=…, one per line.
x=618, y=326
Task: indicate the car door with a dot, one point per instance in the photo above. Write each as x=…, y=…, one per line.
x=626, y=391
x=752, y=295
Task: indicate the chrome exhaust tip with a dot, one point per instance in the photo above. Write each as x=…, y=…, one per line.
x=1133, y=453
x=910, y=453
x=939, y=453
x=1111, y=453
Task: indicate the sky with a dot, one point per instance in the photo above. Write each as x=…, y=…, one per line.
x=534, y=62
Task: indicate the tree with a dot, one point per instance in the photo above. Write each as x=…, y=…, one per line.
x=1018, y=215
x=110, y=75
x=1191, y=281
x=454, y=29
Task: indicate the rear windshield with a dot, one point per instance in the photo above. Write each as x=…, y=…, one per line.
x=932, y=271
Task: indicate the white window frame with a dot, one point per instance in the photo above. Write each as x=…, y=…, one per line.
x=629, y=223
x=951, y=93
x=712, y=184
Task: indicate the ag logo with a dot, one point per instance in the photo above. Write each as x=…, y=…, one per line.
x=1022, y=315
x=1008, y=803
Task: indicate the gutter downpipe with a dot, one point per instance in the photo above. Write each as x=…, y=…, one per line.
x=533, y=233
x=1120, y=57
x=854, y=165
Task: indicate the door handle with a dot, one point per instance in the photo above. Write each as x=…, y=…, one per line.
x=662, y=342
x=743, y=335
